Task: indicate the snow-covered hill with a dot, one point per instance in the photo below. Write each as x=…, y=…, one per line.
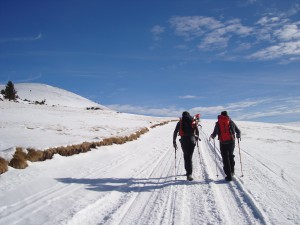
x=53, y=96
x=65, y=119
x=134, y=183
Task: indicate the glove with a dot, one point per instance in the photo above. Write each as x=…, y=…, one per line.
x=211, y=136
x=238, y=136
x=175, y=145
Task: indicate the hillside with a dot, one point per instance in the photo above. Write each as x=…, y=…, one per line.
x=140, y=182
x=64, y=119
x=53, y=96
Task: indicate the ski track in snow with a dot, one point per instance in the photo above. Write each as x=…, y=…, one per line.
x=119, y=191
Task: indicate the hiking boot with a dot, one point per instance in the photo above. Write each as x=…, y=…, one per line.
x=228, y=178
x=189, y=178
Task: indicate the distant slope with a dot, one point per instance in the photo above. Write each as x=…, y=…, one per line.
x=52, y=95
x=30, y=125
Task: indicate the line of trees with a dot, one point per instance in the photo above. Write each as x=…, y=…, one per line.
x=9, y=92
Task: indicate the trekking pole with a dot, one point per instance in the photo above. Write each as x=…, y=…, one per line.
x=240, y=157
x=199, y=153
x=216, y=158
x=175, y=164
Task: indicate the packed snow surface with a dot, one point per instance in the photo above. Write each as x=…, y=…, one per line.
x=142, y=182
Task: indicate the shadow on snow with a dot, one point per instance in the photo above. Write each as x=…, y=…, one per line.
x=131, y=184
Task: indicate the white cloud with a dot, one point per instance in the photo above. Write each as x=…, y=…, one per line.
x=252, y=1
x=212, y=33
x=248, y=109
x=280, y=111
x=281, y=38
x=29, y=79
x=256, y=110
x=235, y=26
x=246, y=3
x=214, y=40
x=21, y=39
x=189, y=97
x=277, y=51
x=243, y=46
x=288, y=32
x=157, y=31
x=231, y=107
x=290, y=59
x=271, y=37
x=208, y=112
x=292, y=11
x=170, y=111
x=191, y=27
x=270, y=21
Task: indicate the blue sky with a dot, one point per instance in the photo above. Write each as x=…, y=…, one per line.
x=160, y=57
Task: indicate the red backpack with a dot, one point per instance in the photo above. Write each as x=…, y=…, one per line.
x=225, y=131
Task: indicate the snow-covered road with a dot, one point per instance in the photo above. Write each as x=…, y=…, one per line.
x=135, y=183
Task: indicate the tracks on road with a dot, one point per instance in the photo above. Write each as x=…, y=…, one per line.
x=138, y=187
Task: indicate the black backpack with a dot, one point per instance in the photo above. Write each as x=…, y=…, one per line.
x=186, y=126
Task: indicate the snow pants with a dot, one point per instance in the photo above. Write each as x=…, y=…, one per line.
x=188, y=144
x=228, y=158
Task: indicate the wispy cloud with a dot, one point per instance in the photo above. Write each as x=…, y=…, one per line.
x=251, y=1
x=192, y=27
x=165, y=112
x=278, y=50
x=248, y=109
x=21, y=39
x=157, y=31
x=211, y=33
x=189, y=97
x=232, y=107
x=30, y=78
x=246, y=3
x=293, y=10
x=270, y=37
x=256, y=109
x=282, y=37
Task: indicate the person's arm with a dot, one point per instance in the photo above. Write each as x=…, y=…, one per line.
x=175, y=135
x=237, y=130
x=176, y=132
x=215, y=132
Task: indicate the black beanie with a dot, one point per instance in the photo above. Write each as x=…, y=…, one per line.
x=185, y=113
x=224, y=113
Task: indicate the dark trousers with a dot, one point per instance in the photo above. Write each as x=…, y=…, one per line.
x=228, y=158
x=188, y=145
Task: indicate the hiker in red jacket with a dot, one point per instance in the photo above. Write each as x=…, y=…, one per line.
x=226, y=129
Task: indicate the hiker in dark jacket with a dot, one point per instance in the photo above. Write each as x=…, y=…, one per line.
x=188, y=130
x=226, y=129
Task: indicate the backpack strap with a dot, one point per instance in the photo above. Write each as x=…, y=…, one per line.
x=181, y=133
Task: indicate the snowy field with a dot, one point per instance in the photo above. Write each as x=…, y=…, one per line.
x=140, y=182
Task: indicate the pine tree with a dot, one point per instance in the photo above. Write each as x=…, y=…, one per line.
x=10, y=93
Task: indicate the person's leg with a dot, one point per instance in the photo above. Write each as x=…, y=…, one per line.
x=231, y=157
x=225, y=158
x=188, y=150
x=184, y=147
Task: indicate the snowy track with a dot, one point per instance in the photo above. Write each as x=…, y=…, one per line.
x=135, y=184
